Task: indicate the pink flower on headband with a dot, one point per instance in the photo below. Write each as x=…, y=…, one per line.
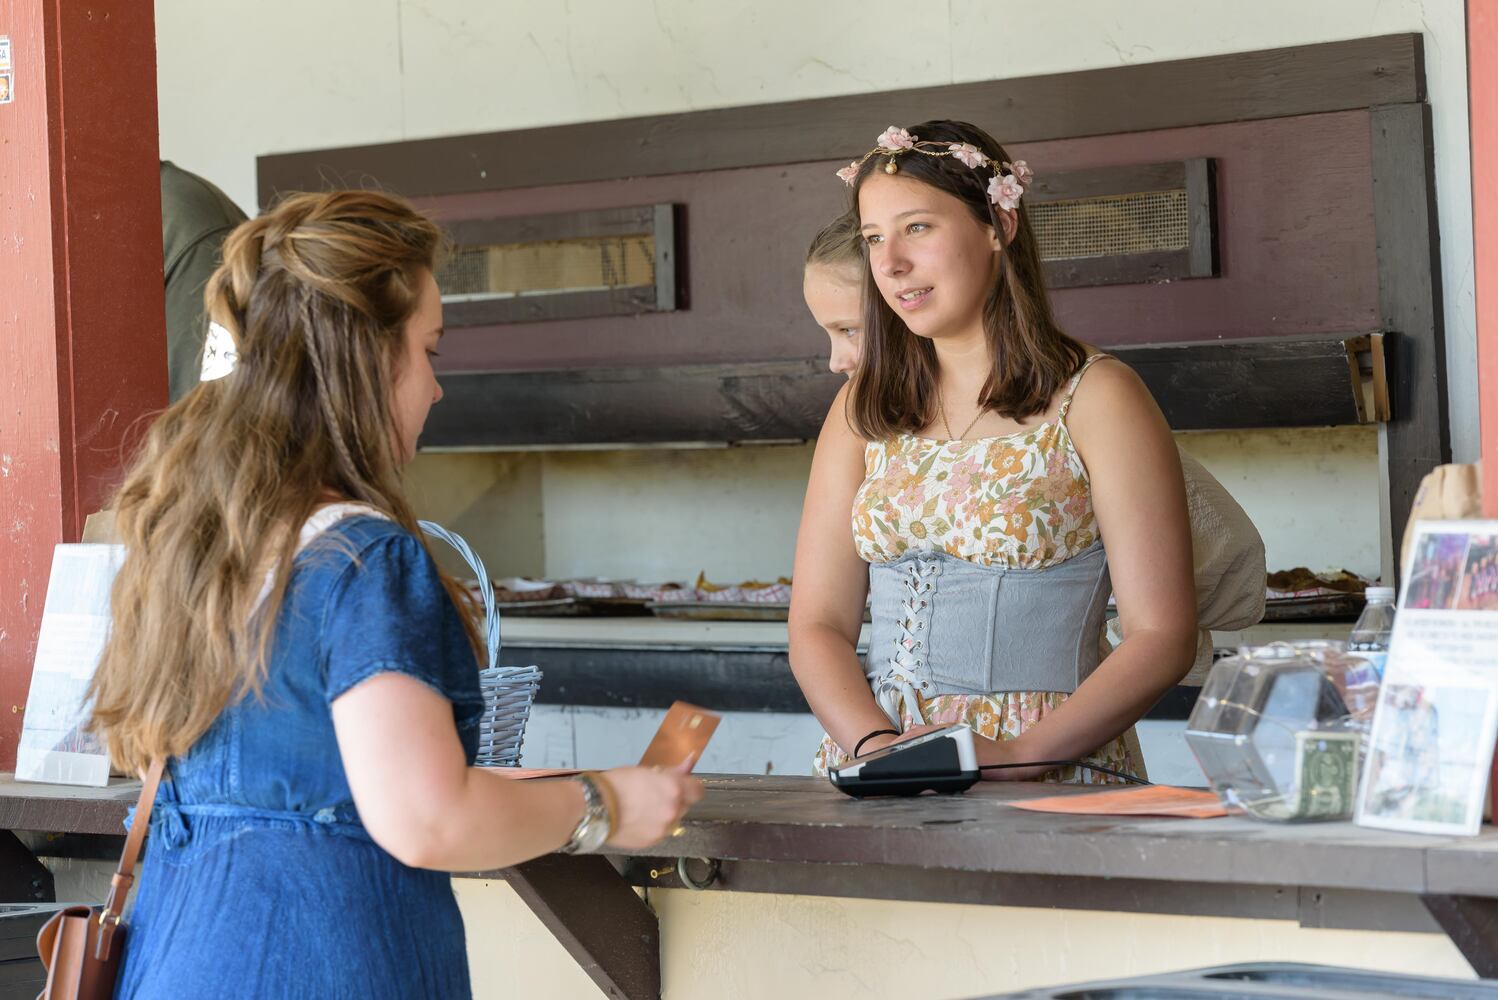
x=968, y=154
x=849, y=174
x=895, y=138
x=1021, y=171
x=1005, y=191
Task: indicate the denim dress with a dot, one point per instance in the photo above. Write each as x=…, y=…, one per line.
x=259, y=878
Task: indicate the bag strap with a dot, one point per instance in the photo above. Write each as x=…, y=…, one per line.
x=124, y=876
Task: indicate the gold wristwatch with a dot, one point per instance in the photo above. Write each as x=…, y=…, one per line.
x=595, y=826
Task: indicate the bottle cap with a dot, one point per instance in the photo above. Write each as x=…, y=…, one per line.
x=1379, y=594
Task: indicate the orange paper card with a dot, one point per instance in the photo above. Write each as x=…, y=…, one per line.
x=1151, y=800
x=684, y=733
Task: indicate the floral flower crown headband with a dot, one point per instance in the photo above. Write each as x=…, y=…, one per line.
x=1004, y=188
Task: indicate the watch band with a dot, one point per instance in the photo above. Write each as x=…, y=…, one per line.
x=593, y=830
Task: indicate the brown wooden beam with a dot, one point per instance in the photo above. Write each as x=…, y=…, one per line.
x=597, y=917
x=1311, y=907
x=23, y=879
x=1296, y=382
x=1301, y=80
x=1472, y=924
x=1417, y=437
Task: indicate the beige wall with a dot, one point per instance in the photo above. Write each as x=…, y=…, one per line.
x=239, y=78
x=733, y=512
x=349, y=71
x=732, y=945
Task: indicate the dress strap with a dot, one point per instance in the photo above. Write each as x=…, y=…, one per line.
x=1071, y=387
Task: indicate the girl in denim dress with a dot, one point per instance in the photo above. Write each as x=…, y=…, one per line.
x=284, y=640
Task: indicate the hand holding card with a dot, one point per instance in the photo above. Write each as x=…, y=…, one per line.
x=683, y=735
x=681, y=738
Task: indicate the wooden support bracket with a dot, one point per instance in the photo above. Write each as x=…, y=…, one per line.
x=589, y=907
x=1472, y=924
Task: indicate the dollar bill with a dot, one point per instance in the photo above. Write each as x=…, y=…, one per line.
x=1326, y=773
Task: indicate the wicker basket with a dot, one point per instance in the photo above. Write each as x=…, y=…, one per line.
x=509, y=692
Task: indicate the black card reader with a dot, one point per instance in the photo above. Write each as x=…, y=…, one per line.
x=943, y=761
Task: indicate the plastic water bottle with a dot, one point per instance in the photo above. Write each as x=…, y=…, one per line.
x=1370, y=635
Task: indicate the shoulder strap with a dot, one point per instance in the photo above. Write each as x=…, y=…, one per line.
x=124, y=875
x=1071, y=387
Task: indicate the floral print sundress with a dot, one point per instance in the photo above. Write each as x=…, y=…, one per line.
x=1019, y=500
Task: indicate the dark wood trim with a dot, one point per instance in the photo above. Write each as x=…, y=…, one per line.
x=1343, y=909
x=1232, y=385
x=656, y=220
x=23, y=879
x=541, y=306
x=1296, y=382
x=769, y=401
x=1197, y=260
x=1123, y=269
x=730, y=680
x=554, y=226
x=66, y=809
x=1471, y=922
x=1201, y=204
x=1104, y=182
x=1307, y=79
x=592, y=911
x=666, y=258
x=1418, y=437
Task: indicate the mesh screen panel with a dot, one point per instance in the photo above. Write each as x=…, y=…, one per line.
x=552, y=266
x=1112, y=225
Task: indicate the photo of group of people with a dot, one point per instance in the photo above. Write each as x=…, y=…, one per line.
x=1431, y=747
x=1453, y=571
x=1420, y=767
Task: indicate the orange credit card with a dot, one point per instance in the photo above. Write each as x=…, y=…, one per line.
x=684, y=733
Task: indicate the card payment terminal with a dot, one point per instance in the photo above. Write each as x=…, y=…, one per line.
x=943, y=761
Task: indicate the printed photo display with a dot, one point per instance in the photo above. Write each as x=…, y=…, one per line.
x=1437, y=716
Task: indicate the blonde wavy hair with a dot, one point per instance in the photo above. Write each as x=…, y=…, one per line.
x=316, y=294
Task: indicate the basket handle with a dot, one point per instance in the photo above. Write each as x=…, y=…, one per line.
x=486, y=586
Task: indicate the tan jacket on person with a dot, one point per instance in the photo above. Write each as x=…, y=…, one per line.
x=1228, y=558
x=1228, y=564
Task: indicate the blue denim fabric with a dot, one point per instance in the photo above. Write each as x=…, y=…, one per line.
x=259, y=879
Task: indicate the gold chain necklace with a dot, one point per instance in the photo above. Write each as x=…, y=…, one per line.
x=941, y=407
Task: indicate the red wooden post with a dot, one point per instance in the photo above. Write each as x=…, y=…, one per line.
x=82, y=329
x=1482, y=107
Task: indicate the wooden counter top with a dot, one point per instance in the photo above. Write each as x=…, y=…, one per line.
x=803, y=819
x=799, y=835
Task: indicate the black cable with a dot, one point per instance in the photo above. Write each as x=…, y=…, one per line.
x=1135, y=779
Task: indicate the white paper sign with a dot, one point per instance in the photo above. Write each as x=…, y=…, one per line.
x=1437, y=717
x=75, y=624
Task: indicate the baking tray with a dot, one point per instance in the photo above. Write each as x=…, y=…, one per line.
x=575, y=607
x=724, y=611
x=1329, y=607
x=720, y=611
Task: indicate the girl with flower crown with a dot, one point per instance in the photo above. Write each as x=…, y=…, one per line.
x=985, y=481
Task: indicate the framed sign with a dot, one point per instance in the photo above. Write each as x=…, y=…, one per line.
x=1437, y=716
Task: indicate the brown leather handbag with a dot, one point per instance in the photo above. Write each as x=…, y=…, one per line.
x=81, y=946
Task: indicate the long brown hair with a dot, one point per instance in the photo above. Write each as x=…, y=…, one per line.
x=316, y=294
x=894, y=386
